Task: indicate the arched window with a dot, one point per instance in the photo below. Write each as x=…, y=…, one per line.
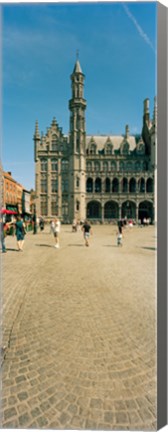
x=77, y=182
x=141, y=185
x=132, y=185
x=98, y=185
x=149, y=185
x=89, y=185
x=115, y=185
x=107, y=185
x=124, y=185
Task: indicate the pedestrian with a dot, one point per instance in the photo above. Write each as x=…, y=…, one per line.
x=50, y=224
x=41, y=224
x=74, y=225
x=2, y=230
x=56, y=226
x=119, y=236
x=86, y=228
x=20, y=232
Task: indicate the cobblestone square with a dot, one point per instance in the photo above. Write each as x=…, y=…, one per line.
x=79, y=331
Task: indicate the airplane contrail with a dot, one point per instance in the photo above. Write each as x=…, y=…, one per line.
x=138, y=27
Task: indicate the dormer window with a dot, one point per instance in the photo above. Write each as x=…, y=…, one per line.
x=93, y=149
x=125, y=148
x=108, y=150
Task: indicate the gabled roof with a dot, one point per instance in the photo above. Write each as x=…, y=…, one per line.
x=116, y=140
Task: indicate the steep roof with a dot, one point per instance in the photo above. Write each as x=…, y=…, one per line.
x=116, y=140
x=77, y=67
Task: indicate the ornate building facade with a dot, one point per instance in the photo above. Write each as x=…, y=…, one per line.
x=100, y=177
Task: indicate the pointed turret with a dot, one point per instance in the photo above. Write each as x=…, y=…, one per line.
x=54, y=123
x=146, y=117
x=36, y=133
x=77, y=68
x=126, y=131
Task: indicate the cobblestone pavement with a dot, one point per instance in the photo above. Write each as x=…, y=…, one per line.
x=79, y=331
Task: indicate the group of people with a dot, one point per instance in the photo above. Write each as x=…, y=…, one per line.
x=20, y=232
x=55, y=227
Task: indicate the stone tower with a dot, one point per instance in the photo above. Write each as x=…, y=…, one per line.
x=153, y=159
x=77, y=181
x=37, y=141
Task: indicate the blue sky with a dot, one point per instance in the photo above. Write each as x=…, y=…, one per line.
x=117, y=53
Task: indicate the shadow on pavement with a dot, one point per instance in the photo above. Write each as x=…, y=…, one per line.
x=11, y=249
x=80, y=245
x=44, y=245
x=149, y=248
x=110, y=246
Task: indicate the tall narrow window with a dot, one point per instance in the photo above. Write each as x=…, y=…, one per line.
x=54, y=185
x=43, y=205
x=54, y=165
x=43, y=164
x=44, y=185
x=54, y=144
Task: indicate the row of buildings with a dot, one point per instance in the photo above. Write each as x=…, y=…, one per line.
x=99, y=177
x=15, y=197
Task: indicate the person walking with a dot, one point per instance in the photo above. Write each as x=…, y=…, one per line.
x=119, y=236
x=20, y=233
x=56, y=226
x=2, y=232
x=86, y=228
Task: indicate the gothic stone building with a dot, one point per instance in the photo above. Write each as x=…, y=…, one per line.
x=99, y=177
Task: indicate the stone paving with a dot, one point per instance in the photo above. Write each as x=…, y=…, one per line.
x=79, y=331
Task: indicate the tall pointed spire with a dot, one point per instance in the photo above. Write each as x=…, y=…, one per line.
x=77, y=67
